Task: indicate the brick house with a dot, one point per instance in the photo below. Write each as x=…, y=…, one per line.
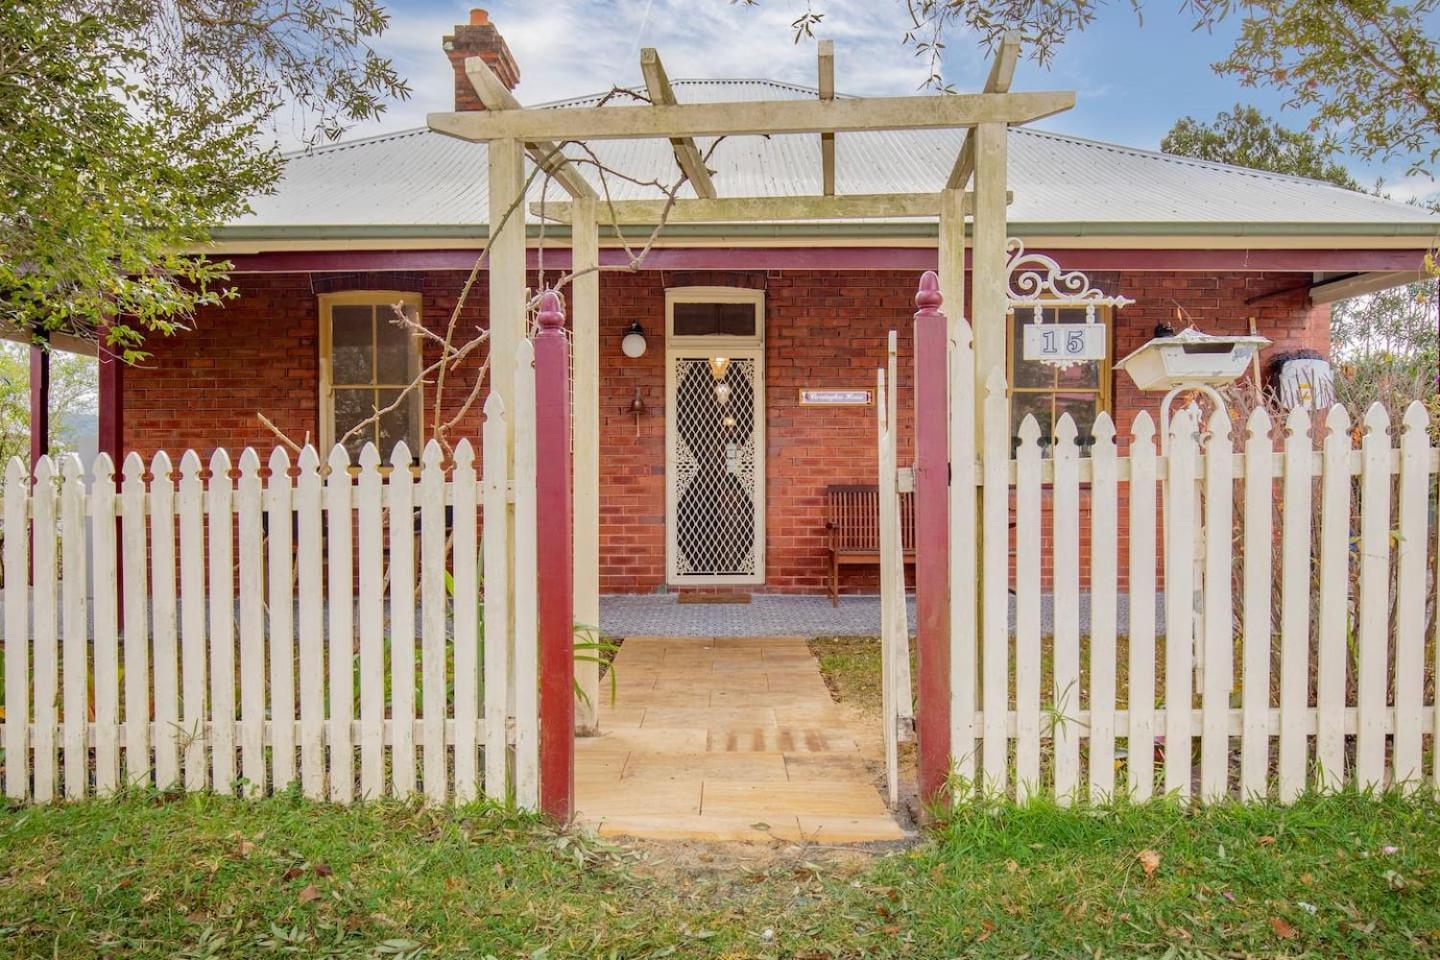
x=790, y=307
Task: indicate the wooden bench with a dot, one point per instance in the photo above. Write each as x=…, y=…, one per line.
x=852, y=517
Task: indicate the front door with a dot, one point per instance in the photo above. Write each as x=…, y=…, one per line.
x=716, y=471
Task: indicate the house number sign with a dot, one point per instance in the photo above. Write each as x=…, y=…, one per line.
x=835, y=398
x=1036, y=282
x=1065, y=342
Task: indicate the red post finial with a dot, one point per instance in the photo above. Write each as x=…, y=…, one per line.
x=552, y=315
x=928, y=297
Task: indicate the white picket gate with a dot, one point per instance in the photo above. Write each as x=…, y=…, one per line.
x=244, y=632
x=897, y=702
x=1348, y=704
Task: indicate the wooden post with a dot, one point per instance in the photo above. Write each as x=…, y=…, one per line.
x=988, y=300
x=585, y=324
x=553, y=546
x=932, y=526
x=952, y=258
x=827, y=138
x=39, y=397
x=506, y=250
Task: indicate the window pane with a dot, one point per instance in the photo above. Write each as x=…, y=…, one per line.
x=350, y=332
x=1032, y=373
x=396, y=425
x=352, y=407
x=1048, y=408
x=714, y=319
x=392, y=362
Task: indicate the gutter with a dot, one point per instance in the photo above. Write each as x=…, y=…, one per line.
x=835, y=230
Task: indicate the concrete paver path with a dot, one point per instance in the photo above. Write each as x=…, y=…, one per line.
x=726, y=739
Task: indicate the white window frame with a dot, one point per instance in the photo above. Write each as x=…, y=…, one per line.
x=748, y=348
x=372, y=298
x=756, y=298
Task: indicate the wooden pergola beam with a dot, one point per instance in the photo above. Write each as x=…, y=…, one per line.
x=826, y=65
x=64, y=342
x=1002, y=74
x=496, y=96
x=758, y=117
x=860, y=206
x=687, y=155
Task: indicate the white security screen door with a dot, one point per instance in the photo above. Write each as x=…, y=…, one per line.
x=715, y=438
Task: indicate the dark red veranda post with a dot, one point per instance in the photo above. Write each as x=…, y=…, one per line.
x=39, y=397
x=932, y=539
x=553, y=547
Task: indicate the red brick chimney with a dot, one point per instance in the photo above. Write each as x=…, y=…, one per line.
x=479, y=38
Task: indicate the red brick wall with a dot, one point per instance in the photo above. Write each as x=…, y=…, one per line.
x=257, y=354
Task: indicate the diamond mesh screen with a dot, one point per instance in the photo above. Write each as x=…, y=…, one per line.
x=714, y=456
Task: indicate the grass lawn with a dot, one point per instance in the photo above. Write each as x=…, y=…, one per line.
x=202, y=876
x=851, y=668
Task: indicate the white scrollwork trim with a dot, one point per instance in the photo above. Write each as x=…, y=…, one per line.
x=1037, y=281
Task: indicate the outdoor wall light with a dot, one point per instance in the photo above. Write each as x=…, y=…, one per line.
x=718, y=366
x=633, y=345
x=722, y=393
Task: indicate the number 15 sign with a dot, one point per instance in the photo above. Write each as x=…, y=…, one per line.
x=1063, y=344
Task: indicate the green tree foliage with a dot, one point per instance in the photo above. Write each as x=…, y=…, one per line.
x=1387, y=347
x=1247, y=138
x=1366, y=71
x=133, y=127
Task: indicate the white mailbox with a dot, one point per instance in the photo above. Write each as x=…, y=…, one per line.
x=1190, y=359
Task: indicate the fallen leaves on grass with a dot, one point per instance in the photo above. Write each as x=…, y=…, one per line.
x=308, y=893
x=1283, y=929
x=1150, y=860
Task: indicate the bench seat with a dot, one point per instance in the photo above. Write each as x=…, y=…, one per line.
x=852, y=520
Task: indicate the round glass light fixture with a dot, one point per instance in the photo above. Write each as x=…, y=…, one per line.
x=722, y=393
x=633, y=345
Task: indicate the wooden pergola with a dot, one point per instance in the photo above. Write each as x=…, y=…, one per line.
x=512, y=132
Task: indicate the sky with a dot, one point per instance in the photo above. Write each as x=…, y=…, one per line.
x=1132, y=80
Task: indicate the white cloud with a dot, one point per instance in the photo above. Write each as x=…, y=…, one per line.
x=569, y=48
x=1416, y=186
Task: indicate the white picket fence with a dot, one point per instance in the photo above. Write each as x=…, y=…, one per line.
x=246, y=633
x=1347, y=705
x=897, y=703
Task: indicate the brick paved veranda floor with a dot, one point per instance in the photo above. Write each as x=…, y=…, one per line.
x=787, y=615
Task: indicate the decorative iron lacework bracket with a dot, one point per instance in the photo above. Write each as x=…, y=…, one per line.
x=1037, y=281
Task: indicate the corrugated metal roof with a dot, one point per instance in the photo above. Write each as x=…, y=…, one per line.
x=425, y=180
